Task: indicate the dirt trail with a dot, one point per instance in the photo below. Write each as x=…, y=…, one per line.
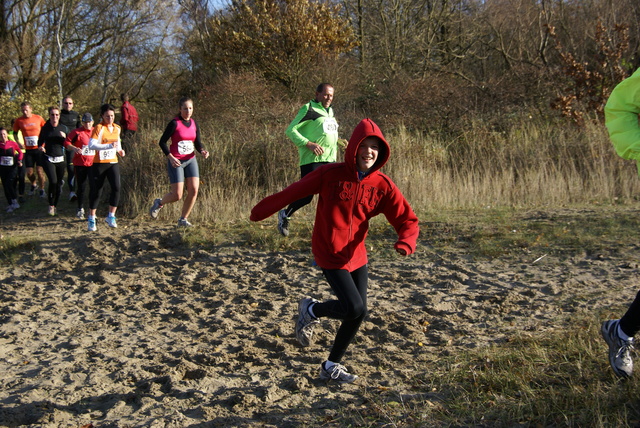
x=129, y=327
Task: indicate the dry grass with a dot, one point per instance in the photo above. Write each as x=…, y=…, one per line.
x=530, y=165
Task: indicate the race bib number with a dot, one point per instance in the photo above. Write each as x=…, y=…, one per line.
x=31, y=141
x=185, y=147
x=330, y=126
x=56, y=159
x=107, y=154
x=87, y=152
x=6, y=160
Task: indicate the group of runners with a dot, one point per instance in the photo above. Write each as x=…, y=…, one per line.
x=349, y=193
x=69, y=143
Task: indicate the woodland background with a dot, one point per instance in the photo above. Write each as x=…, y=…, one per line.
x=500, y=100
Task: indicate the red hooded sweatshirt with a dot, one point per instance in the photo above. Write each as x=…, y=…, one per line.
x=346, y=203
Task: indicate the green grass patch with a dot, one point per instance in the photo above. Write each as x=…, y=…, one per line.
x=551, y=379
x=13, y=247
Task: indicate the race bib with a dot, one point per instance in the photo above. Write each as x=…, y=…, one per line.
x=87, y=152
x=31, y=141
x=107, y=154
x=56, y=159
x=330, y=126
x=185, y=147
x=6, y=160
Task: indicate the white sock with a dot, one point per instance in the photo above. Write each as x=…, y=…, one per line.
x=328, y=364
x=310, y=310
x=622, y=335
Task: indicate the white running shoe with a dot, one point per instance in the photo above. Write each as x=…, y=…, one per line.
x=337, y=373
x=306, y=323
x=155, y=208
x=111, y=221
x=80, y=214
x=619, y=349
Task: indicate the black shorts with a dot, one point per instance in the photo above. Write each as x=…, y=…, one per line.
x=32, y=158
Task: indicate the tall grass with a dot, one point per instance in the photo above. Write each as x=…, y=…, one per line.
x=530, y=164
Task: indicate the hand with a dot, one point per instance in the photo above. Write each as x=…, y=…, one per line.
x=173, y=161
x=401, y=251
x=205, y=154
x=41, y=148
x=121, y=153
x=315, y=148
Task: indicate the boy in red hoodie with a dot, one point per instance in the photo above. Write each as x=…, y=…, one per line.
x=350, y=193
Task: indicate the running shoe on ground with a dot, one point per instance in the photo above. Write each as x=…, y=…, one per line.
x=337, y=373
x=91, y=225
x=306, y=323
x=72, y=196
x=183, y=222
x=155, y=208
x=111, y=221
x=619, y=349
x=283, y=223
x=14, y=206
x=42, y=195
x=80, y=213
x=52, y=210
x=33, y=189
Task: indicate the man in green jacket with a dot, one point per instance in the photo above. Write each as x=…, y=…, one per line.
x=315, y=132
x=621, y=118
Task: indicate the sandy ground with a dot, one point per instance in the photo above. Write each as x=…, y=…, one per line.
x=130, y=328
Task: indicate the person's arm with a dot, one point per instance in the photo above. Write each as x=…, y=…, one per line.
x=621, y=117
x=198, y=143
x=401, y=216
x=96, y=138
x=310, y=184
x=168, y=132
x=293, y=132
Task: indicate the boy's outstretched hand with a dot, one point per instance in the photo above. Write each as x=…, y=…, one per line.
x=401, y=251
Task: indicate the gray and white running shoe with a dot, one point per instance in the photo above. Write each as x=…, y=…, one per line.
x=183, y=222
x=619, y=349
x=337, y=373
x=283, y=223
x=306, y=323
x=155, y=208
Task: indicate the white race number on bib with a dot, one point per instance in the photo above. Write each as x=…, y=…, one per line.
x=56, y=159
x=31, y=141
x=6, y=160
x=330, y=126
x=87, y=152
x=185, y=147
x=107, y=154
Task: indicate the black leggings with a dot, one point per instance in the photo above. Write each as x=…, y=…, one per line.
x=81, y=173
x=55, y=172
x=97, y=174
x=68, y=157
x=630, y=321
x=351, y=306
x=19, y=182
x=304, y=170
x=8, y=176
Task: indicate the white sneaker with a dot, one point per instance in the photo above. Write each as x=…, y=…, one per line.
x=52, y=210
x=337, y=373
x=111, y=221
x=619, y=349
x=91, y=225
x=80, y=214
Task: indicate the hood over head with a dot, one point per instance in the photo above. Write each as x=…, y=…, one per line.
x=366, y=128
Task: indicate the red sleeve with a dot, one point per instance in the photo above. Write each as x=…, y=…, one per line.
x=399, y=213
x=308, y=185
x=70, y=137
